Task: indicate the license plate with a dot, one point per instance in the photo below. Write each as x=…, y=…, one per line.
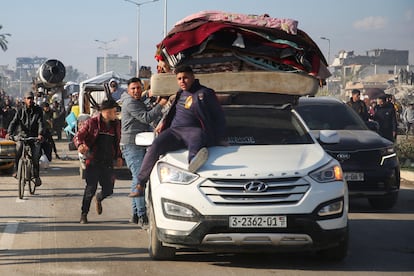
x=258, y=222
x=354, y=176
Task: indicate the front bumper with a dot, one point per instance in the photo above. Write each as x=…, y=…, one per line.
x=213, y=234
x=382, y=181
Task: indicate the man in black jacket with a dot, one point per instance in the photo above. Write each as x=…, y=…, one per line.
x=28, y=122
x=358, y=105
x=385, y=116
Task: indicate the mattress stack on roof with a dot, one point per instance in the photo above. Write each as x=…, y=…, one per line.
x=217, y=42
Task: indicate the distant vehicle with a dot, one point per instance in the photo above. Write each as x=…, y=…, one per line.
x=49, y=82
x=369, y=161
x=7, y=155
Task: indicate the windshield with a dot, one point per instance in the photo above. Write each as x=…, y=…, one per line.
x=319, y=116
x=258, y=125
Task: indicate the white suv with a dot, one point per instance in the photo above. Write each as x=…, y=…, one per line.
x=272, y=189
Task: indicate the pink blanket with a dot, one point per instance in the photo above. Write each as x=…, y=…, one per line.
x=287, y=25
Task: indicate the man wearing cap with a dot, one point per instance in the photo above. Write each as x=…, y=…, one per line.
x=358, y=105
x=28, y=122
x=98, y=140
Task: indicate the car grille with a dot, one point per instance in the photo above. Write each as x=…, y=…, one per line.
x=367, y=158
x=268, y=191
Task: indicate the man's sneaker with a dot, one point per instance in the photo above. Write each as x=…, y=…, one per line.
x=143, y=220
x=98, y=205
x=199, y=159
x=134, y=219
x=37, y=181
x=83, y=219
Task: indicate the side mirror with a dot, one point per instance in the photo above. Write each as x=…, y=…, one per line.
x=329, y=136
x=144, y=139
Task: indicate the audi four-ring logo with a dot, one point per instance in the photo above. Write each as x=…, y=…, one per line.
x=255, y=186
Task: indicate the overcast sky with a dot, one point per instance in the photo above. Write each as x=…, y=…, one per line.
x=67, y=30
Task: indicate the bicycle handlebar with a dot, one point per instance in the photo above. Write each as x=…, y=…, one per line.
x=26, y=139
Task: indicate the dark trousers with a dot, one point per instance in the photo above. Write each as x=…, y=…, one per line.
x=95, y=174
x=169, y=140
x=35, y=149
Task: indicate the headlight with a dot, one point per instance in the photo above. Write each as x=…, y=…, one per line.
x=330, y=172
x=170, y=174
x=389, y=150
x=332, y=208
x=173, y=209
x=387, y=153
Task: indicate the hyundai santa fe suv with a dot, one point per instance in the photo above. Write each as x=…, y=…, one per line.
x=369, y=161
x=273, y=188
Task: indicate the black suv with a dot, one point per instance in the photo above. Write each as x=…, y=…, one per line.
x=369, y=161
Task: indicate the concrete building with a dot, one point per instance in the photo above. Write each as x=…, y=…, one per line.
x=379, y=68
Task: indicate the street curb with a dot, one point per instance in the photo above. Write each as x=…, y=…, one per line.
x=407, y=175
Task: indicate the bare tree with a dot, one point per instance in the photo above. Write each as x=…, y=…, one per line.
x=3, y=40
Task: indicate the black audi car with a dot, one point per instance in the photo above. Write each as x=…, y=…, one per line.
x=369, y=161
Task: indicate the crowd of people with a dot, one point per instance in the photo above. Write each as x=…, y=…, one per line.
x=54, y=111
x=191, y=119
x=405, y=77
x=32, y=116
x=385, y=111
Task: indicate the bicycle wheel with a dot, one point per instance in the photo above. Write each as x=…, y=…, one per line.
x=21, y=176
x=29, y=168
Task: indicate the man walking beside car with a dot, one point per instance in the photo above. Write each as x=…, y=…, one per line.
x=98, y=140
x=194, y=121
x=135, y=119
x=358, y=105
x=386, y=118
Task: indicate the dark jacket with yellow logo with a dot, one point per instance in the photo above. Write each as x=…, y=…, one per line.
x=208, y=111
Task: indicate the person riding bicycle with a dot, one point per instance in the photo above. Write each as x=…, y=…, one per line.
x=27, y=122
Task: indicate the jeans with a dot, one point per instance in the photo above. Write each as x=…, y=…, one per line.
x=133, y=156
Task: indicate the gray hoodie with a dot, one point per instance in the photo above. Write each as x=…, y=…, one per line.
x=135, y=118
x=408, y=115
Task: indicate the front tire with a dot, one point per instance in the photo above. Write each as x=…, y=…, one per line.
x=156, y=250
x=21, y=175
x=337, y=253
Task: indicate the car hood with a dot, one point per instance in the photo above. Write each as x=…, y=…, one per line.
x=6, y=142
x=352, y=140
x=256, y=161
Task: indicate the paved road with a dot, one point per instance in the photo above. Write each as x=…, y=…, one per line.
x=41, y=235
